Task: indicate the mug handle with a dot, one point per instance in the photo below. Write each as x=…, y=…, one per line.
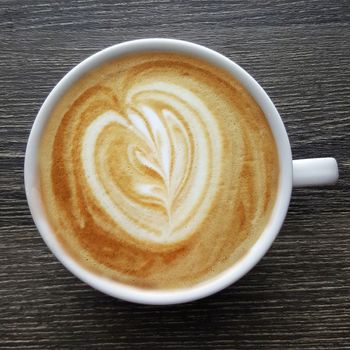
x=315, y=172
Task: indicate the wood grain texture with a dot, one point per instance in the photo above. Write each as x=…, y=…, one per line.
x=298, y=295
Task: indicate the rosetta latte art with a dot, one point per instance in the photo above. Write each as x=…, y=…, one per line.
x=157, y=170
x=178, y=144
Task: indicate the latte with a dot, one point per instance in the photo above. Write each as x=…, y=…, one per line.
x=158, y=170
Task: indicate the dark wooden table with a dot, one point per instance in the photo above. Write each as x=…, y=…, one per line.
x=298, y=297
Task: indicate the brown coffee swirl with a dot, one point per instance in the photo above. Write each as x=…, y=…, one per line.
x=158, y=170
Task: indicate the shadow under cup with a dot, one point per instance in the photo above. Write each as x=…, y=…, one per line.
x=223, y=279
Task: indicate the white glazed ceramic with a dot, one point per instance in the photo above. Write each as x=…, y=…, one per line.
x=320, y=171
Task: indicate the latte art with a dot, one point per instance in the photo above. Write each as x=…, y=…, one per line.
x=157, y=170
x=173, y=159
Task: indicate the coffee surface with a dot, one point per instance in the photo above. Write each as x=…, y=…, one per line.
x=158, y=170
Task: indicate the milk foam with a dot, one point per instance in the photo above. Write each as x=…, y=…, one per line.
x=183, y=147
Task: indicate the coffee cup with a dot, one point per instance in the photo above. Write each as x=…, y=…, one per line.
x=292, y=173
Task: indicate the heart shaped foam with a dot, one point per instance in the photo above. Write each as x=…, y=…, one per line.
x=167, y=149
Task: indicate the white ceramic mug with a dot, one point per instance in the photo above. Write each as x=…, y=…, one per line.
x=319, y=171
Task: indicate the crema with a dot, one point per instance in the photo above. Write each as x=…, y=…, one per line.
x=158, y=170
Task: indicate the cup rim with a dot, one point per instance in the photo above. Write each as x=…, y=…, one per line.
x=223, y=279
